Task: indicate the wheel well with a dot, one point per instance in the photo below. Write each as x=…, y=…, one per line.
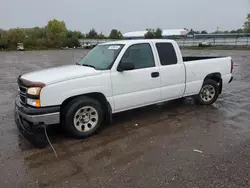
x=216, y=77
x=97, y=96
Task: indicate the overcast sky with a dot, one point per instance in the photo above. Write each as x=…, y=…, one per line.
x=126, y=15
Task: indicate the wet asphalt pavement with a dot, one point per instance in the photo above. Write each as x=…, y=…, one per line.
x=177, y=144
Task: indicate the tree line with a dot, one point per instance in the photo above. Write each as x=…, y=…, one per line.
x=54, y=35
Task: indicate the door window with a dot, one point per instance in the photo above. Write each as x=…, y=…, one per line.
x=140, y=54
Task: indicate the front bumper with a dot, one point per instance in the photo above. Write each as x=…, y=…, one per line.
x=31, y=121
x=47, y=115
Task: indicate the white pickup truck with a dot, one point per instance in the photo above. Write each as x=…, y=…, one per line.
x=114, y=77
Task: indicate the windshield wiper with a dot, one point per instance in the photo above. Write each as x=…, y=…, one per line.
x=86, y=65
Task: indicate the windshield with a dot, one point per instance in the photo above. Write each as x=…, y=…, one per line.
x=102, y=57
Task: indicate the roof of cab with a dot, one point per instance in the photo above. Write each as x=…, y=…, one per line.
x=136, y=41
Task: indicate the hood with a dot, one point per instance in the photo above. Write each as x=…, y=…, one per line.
x=59, y=74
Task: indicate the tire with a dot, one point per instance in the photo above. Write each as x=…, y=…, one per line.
x=209, y=93
x=82, y=117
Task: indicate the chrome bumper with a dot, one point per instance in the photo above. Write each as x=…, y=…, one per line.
x=47, y=116
x=47, y=119
x=31, y=121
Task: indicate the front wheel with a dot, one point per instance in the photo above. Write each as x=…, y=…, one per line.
x=82, y=117
x=208, y=93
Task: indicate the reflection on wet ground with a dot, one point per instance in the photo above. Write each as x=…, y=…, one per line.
x=155, y=146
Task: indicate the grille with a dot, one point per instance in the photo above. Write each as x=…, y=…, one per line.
x=22, y=94
x=22, y=89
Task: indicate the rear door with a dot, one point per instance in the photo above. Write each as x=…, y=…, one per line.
x=138, y=87
x=172, y=71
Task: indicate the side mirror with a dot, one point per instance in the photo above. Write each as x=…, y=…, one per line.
x=125, y=66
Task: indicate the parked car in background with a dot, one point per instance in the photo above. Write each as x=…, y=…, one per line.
x=20, y=47
x=204, y=44
x=87, y=45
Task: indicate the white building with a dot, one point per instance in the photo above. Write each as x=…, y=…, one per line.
x=165, y=33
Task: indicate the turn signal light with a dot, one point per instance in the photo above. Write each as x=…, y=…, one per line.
x=34, y=102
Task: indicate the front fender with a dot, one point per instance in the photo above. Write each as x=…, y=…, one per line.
x=55, y=94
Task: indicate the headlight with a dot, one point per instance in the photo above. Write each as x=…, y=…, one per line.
x=34, y=102
x=34, y=91
x=33, y=99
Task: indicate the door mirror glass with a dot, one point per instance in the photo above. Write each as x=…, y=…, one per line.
x=125, y=66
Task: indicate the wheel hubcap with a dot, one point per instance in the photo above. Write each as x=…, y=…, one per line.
x=207, y=93
x=85, y=119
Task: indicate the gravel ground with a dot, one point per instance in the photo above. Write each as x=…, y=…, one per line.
x=177, y=144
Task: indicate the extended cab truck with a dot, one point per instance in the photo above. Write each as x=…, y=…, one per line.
x=115, y=77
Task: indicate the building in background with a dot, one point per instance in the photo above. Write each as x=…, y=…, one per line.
x=185, y=37
x=166, y=33
x=216, y=35
x=184, y=33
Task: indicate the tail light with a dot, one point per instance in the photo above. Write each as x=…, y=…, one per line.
x=232, y=66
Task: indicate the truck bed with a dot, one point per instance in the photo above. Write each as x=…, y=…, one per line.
x=195, y=58
x=198, y=67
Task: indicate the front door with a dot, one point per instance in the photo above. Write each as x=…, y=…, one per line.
x=140, y=86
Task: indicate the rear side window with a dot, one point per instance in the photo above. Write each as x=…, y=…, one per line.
x=166, y=53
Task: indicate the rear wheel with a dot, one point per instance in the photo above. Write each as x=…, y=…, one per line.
x=208, y=93
x=82, y=117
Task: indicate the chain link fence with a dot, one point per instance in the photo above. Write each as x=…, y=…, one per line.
x=185, y=42
x=243, y=41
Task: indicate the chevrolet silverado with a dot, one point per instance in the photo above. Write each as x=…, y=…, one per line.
x=114, y=77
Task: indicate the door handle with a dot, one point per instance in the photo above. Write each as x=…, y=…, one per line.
x=155, y=74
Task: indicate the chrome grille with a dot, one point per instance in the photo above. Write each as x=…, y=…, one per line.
x=22, y=89
x=22, y=93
